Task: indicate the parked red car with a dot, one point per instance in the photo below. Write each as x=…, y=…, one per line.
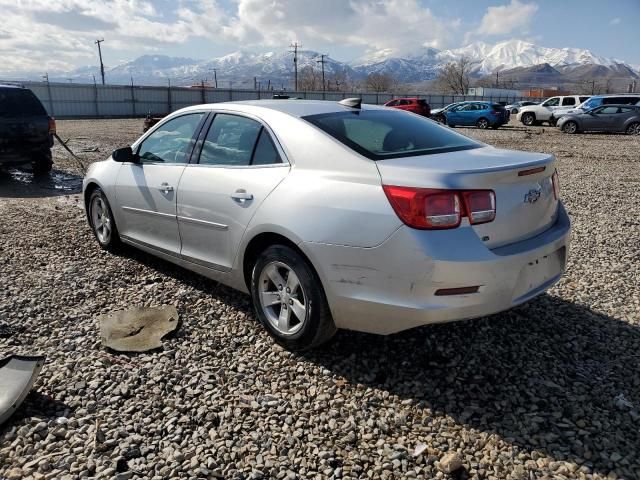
x=415, y=105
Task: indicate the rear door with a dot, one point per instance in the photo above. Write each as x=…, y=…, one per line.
x=239, y=165
x=146, y=191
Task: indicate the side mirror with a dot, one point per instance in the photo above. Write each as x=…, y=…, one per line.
x=124, y=154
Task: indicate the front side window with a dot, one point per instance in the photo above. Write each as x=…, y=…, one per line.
x=552, y=102
x=608, y=110
x=172, y=141
x=381, y=134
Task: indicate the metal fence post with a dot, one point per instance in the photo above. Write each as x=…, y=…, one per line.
x=170, y=107
x=133, y=100
x=95, y=98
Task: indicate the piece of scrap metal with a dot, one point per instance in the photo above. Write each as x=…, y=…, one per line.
x=17, y=375
x=137, y=329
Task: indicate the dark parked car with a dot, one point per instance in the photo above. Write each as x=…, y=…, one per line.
x=607, y=118
x=415, y=105
x=26, y=131
x=481, y=114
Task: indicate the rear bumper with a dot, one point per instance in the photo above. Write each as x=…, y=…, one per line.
x=392, y=287
x=24, y=154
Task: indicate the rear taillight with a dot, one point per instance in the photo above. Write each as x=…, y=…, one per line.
x=433, y=209
x=480, y=206
x=556, y=185
x=52, y=125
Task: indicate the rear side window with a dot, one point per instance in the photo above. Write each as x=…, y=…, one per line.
x=19, y=102
x=568, y=101
x=265, y=153
x=382, y=134
x=230, y=141
x=583, y=99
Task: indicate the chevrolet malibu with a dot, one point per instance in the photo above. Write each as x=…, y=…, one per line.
x=336, y=215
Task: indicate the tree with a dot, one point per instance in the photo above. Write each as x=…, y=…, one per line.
x=454, y=77
x=309, y=79
x=379, y=82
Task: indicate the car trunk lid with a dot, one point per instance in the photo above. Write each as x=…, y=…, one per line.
x=522, y=182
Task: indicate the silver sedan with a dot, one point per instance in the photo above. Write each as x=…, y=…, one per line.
x=336, y=215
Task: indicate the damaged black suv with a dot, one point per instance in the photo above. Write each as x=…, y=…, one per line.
x=26, y=131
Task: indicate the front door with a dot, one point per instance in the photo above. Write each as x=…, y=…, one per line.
x=146, y=191
x=238, y=167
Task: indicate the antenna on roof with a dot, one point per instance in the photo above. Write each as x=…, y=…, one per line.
x=351, y=102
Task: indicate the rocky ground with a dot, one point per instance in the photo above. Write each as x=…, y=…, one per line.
x=550, y=389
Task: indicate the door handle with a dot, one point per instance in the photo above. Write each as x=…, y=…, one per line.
x=241, y=195
x=165, y=187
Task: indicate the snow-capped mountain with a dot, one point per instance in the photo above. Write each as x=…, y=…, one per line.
x=240, y=68
x=517, y=53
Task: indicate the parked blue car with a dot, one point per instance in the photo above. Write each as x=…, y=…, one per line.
x=481, y=114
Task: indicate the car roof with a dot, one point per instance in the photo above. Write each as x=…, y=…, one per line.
x=607, y=95
x=296, y=108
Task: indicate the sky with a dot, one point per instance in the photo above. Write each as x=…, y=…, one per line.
x=45, y=35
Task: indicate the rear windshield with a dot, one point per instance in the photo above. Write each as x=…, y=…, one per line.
x=382, y=134
x=18, y=102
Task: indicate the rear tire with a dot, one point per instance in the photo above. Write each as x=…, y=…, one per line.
x=482, y=123
x=570, y=127
x=42, y=164
x=633, y=129
x=102, y=222
x=289, y=299
x=528, y=119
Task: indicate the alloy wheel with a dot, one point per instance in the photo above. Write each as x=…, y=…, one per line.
x=282, y=298
x=634, y=129
x=483, y=123
x=570, y=127
x=101, y=219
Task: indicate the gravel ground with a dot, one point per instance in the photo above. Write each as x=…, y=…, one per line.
x=550, y=389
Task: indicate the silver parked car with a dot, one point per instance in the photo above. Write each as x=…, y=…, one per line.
x=336, y=215
x=607, y=118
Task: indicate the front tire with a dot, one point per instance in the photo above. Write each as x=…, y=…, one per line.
x=482, y=123
x=633, y=129
x=102, y=222
x=289, y=299
x=570, y=127
x=528, y=119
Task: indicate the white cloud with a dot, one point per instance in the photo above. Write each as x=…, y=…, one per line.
x=615, y=21
x=39, y=35
x=505, y=19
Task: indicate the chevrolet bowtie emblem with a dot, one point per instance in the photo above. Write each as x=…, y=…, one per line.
x=533, y=195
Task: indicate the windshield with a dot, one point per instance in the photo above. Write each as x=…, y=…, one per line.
x=589, y=104
x=382, y=134
x=18, y=102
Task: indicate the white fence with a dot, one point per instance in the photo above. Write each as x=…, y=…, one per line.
x=73, y=100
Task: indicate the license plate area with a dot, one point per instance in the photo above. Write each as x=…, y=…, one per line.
x=539, y=271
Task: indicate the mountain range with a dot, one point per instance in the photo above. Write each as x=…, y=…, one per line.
x=522, y=62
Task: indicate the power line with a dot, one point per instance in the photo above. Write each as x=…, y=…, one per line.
x=322, y=61
x=295, y=47
x=98, y=42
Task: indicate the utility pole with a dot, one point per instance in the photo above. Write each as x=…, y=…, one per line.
x=497, y=81
x=322, y=61
x=295, y=47
x=215, y=78
x=98, y=42
x=255, y=83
